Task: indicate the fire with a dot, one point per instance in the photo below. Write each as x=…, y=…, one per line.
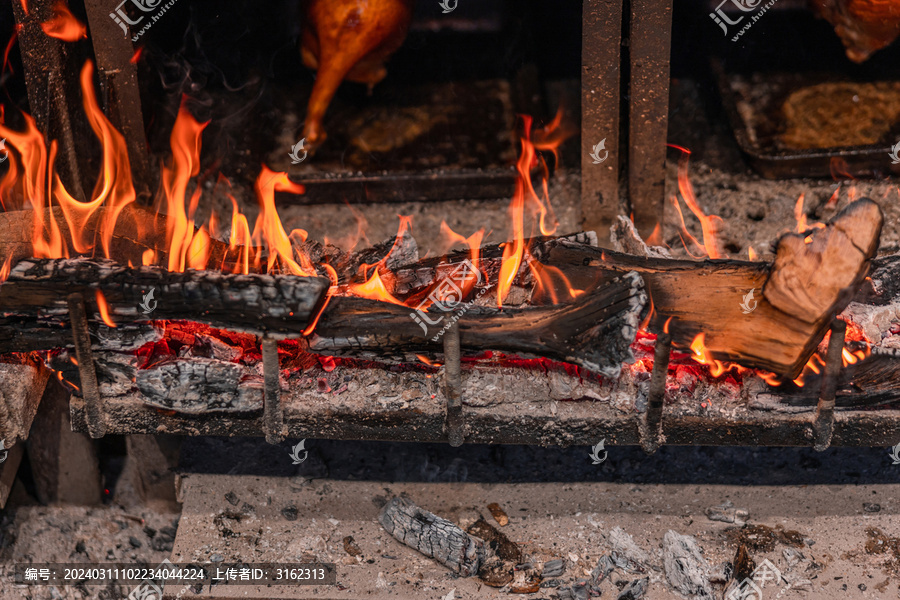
x=103, y=307
x=7, y=267
x=799, y=215
x=65, y=225
x=707, y=222
x=373, y=289
x=513, y=252
x=63, y=25
x=703, y=356
x=269, y=226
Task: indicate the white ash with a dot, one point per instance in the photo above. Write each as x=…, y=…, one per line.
x=686, y=569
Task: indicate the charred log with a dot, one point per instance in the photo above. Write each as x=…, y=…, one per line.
x=595, y=332
x=789, y=303
x=37, y=290
x=433, y=536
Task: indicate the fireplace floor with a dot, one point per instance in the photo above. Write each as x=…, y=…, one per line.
x=235, y=492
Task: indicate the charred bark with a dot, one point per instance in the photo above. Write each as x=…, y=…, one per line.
x=596, y=331
x=37, y=291
x=765, y=315
x=433, y=536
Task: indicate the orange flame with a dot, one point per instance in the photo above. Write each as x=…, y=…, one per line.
x=7, y=267
x=268, y=224
x=103, y=307
x=799, y=215
x=707, y=223
x=373, y=289
x=63, y=25
x=704, y=357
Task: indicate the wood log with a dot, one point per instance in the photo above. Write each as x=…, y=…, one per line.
x=595, y=332
x=274, y=304
x=795, y=297
x=138, y=230
x=433, y=536
x=785, y=327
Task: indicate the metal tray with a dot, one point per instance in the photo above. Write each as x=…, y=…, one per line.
x=773, y=162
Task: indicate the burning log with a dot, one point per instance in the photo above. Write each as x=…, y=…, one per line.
x=38, y=291
x=595, y=332
x=776, y=330
x=136, y=231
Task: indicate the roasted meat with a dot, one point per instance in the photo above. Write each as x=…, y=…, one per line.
x=863, y=25
x=348, y=39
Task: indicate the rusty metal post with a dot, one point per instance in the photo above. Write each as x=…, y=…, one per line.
x=90, y=389
x=600, y=93
x=651, y=432
x=121, y=93
x=453, y=386
x=648, y=115
x=823, y=426
x=273, y=411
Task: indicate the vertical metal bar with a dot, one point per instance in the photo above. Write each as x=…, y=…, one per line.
x=600, y=93
x=51, y=89
x=273, y=412
x=453, y=386
x=651, y=433
x=648, y=115
x=118, y=77
x=90, y=389
x=823, y=426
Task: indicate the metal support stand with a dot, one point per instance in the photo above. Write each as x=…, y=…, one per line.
x=651, y=432
x=823, y=425
x=90, y=390
x=273, y=411
x=453, y=387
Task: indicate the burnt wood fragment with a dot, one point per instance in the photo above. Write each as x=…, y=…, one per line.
x=433, y=536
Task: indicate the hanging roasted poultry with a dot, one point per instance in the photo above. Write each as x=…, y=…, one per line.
x=864, y=26
x=347, y=39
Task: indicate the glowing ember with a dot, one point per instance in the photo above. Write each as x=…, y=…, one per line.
x=63, y=25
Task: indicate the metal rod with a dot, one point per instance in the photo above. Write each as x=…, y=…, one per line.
x=651, y=433
x=90, y=390
x=600, y=98
x=823, y=426
x=648, y=111
x=453, y=386
x=273, y=412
